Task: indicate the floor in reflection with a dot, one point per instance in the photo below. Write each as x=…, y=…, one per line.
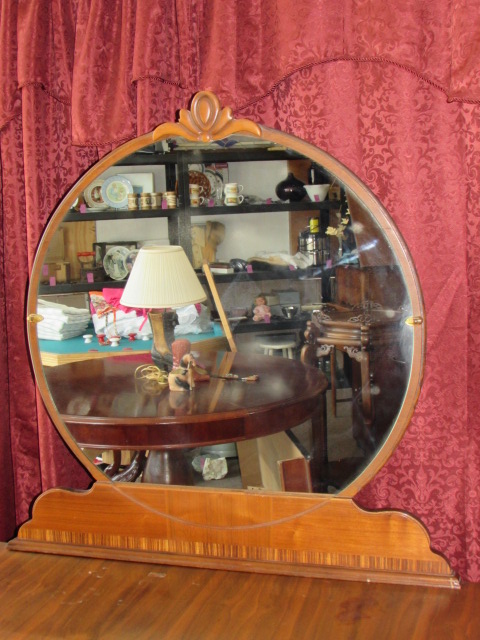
x=232, y=480
x=343, y=449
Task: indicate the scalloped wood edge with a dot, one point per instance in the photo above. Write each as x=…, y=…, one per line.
x=296, y=534
x=206, y=121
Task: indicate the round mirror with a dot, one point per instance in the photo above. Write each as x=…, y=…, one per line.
x=312, y=323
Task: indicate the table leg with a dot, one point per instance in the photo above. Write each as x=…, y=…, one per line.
x=134, y=469
x=168, y=467
x=113, y=468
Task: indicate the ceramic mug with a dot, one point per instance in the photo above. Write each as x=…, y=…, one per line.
x=171, y=198
x=233, y=188
x=133, y=201
x=232, y=199
x=196, y=200
x=145, y=200
x=194, y=189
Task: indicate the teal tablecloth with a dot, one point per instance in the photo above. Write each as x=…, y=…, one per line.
x=77, y=345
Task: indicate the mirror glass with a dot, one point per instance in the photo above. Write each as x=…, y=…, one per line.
x=304, y=272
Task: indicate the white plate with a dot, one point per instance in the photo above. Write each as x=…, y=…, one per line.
x=141, y=182
x=115, y=191
x=215, y=179
x=93, y=195
x=114, y=262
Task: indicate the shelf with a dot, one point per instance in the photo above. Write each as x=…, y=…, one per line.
x=265, y=208
x=277, y=274
x=236, y=154
x=117, y=214
x=80, y=287
x=180, y=219
x=209, y=156
x=275, y=324
x=128, y=214
x=241, y=276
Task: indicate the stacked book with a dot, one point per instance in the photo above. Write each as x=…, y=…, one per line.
x=61, y=322
x=221, y=267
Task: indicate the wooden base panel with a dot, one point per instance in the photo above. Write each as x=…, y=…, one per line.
x=302, y=535
x=331, y=571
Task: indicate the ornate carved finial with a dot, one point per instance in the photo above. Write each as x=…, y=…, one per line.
x=206, y=121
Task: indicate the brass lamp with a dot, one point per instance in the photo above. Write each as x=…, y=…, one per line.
x=162, y=279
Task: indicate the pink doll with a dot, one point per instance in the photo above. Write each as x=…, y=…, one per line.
x=261, y=310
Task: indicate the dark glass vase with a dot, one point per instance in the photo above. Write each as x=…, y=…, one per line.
x=290, y=189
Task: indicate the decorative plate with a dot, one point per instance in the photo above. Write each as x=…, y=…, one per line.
x=130, y=259
x=115, y=191
x=197, y=177
x=141, y=182
x=114, y=262
x=93, y=195
x=215, y=179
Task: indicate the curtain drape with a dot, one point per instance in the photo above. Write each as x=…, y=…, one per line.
x=390, y=89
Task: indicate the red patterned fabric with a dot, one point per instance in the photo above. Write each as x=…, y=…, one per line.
x=410, y=153
x=390, y=89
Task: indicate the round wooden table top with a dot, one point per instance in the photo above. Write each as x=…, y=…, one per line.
x=104, y=406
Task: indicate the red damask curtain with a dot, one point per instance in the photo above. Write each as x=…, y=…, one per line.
x=391, y=89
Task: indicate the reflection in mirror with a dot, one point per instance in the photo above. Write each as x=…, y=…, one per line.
x=303, y=273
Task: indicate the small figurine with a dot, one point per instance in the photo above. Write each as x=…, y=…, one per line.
x=261, y=310
x=185, y=372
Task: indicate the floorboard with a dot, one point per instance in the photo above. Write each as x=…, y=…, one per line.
x=44, y=596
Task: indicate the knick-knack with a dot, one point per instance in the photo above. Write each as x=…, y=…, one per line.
x=291, y=189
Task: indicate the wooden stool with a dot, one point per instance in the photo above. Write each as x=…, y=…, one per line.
x=275, y=343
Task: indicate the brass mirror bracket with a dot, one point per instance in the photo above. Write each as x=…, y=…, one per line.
x=413, y=320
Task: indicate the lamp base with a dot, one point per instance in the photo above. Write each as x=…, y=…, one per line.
x=163, y=325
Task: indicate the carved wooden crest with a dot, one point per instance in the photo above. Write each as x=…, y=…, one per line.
x=207, y=121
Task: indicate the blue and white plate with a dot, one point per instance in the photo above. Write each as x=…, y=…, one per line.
x=115, y=191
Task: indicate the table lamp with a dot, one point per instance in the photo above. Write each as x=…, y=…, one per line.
x=162, y=279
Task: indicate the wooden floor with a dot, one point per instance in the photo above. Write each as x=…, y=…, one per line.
x=59, y=597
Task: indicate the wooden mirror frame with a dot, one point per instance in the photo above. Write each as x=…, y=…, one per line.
x=296, y=534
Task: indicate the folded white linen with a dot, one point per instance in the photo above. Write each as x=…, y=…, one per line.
x=59, y=324
x=51, y=334
x=53, y=309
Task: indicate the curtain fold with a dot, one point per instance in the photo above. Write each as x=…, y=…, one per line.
x=18, y=426
x=46, y=30
x=10, y=104
x=384, y=88
x=67, y=47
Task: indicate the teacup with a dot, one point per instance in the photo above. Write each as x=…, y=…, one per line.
x=196, y=201
x=232, y=199
x=195, y=198
x=232, y=188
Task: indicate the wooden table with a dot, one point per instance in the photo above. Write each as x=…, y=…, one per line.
x=104, y=406
x=47, y=596
x=366, y=333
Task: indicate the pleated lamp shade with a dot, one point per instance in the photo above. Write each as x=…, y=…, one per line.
x=162, y=277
